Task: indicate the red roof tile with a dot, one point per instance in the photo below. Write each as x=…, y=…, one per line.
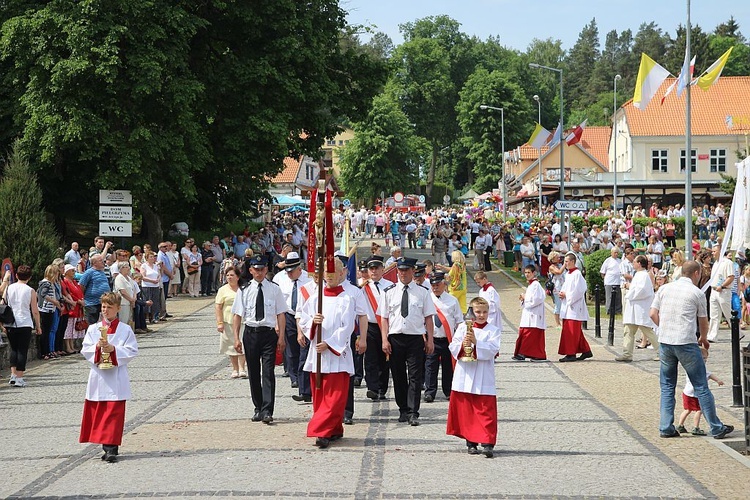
x=596, y=141
x=723, y=110
x=289, y=173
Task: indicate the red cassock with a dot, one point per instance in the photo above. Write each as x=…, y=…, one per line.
x=473, y=417
x=572, y=340
x=103, y=422
x=530, y=343
x=329, y=404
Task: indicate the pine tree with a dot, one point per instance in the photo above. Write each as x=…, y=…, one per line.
x=26, y=236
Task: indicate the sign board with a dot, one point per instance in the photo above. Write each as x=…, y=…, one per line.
x=115, y=197
x=446, y=199
x=398, y=197
x=347, y=202
x=572, y=205
x=115, y=213
x=421, y=198
x=703, y=157
x=124, y=229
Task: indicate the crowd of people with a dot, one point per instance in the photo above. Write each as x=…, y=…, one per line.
x=372, y=330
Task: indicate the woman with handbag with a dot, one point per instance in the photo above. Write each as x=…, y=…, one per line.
x=126, y=287
x=194, y=262
x=23, y=301
x=74, y=293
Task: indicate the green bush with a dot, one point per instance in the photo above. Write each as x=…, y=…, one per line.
x=26, y=236
x=593, y=263
x=577, y=223
x=599, y=220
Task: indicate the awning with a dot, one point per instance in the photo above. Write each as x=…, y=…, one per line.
x=535, y=194
x=721, y=195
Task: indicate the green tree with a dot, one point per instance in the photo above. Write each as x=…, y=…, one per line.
x=580, y=65
x=191, y=105
x=482, y=129
x=26, y=237
x=430, y=67
x=699, y=48
x=730, y=29
x=384, y=155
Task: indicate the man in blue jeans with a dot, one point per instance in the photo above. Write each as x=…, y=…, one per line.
x=674, y=310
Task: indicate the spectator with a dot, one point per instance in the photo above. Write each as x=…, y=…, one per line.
x=207, y=269
x=151, y=288
x=72, y=256
x=23, y=300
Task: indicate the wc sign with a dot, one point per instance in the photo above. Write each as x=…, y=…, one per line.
x=115, y=213
x=124, y=229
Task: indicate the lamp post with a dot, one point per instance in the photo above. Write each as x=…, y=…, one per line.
x=539, y=121
x=614, y=139
x=502, y=145
x=562, y=154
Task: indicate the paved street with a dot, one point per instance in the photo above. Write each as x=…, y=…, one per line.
x=565, y=430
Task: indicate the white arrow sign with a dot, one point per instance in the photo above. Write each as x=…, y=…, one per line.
x=571, y=205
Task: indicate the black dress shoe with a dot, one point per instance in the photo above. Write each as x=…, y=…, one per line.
x=357, y=382
x=728, y=429
x=306, y=399
x=372, y=395
x=429, y=398
x=569, y=357
x=267, y=419
x=472, y=449
x=488, y=450
x=110, y=457
x=256, y=418
x=414, y=421
x=585, y=355
x=403, y=417
x=518, y=357
x=285, y=374
x=322, y=442
x=348, y=421
x=295, y=385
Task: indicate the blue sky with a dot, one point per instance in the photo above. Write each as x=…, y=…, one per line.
x=517, y=22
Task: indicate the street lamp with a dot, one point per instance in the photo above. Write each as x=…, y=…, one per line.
x=502, y=136
x=539, y=121
x=562, y=154
x=614, y=135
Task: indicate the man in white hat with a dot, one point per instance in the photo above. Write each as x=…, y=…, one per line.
x=290, y=281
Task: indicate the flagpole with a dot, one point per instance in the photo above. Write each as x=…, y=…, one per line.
x=688, y=153
x=614, y=140
x=539, y=109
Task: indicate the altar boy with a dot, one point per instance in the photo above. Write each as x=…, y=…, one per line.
x=530, y=342
x=472, y=411
x=107, y=389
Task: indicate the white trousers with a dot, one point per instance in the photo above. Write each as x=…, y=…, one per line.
x=720, y=304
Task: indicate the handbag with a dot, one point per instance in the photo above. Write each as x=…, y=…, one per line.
x=7, y=317
x=81, y=324
x=192, y=268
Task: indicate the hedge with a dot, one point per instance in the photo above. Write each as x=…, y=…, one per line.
x=593, y=263
x=578, y=222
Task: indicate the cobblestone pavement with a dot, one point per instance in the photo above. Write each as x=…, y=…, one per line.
x=565, y=430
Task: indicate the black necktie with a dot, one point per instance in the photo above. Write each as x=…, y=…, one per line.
x=377, y=286
x=405, y=302
x=260, y=312
x=294, y=296
x=438, y=323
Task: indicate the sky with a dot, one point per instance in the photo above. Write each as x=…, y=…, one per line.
x=518, y=22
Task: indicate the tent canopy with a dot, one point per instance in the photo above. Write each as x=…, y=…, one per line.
x=286, y=201
x=294, y=209
x=468, y=195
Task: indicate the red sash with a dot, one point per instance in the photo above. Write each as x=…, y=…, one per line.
x=373, y=302
x=305, y=293
x=443, y=320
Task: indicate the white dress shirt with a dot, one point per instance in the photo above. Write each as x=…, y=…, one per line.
x=286, y=285
x=451, y=309
x=420, y=308
x=611, y=271
x=273, y=299
x=377, y=291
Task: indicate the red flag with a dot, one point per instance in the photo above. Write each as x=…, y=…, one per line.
x=575, y=136
x=311, y=232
